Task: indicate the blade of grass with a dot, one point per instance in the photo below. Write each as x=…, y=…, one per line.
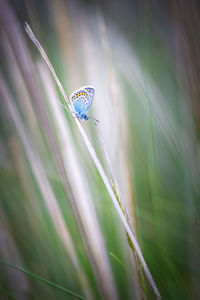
x=43, y=280
x=119, y=261
x=98, y=165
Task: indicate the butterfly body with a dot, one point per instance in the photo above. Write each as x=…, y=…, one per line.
x=81, y=101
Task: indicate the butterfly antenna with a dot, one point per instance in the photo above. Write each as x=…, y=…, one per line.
x=94, y=120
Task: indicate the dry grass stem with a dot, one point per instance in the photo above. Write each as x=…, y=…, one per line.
x=98, y=165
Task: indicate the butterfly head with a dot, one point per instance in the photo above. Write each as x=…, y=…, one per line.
x=85, y=117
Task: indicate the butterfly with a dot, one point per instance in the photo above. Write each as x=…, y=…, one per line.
x=81, y=101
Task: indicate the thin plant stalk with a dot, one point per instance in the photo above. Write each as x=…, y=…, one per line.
x=98, y=165
x=73, y=294
x=116, y=189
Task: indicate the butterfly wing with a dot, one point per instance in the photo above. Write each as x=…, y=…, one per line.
x=90, y=90
x=79, y=100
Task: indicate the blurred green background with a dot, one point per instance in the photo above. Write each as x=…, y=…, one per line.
x=56, y=217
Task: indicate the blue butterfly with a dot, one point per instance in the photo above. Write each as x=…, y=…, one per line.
x=81, y=101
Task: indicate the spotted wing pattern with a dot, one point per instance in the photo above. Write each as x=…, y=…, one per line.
x=79, y=101
x=91, y=92
x=82, y=100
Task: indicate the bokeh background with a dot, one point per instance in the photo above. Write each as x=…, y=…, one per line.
x=56, y=217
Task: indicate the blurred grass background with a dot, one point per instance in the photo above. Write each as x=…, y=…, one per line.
x=56, y=217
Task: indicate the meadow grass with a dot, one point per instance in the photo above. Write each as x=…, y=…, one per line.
x=99, y=211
